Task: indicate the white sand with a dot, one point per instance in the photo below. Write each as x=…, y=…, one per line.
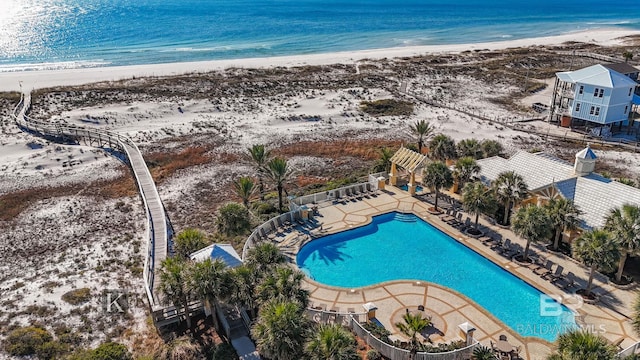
x=47, y=78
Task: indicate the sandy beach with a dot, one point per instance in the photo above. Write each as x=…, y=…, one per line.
x=10, y=81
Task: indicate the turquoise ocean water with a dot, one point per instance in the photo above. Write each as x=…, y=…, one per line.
x=38, y=34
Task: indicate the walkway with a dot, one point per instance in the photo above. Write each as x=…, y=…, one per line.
x=157, y=226
x=449, y=307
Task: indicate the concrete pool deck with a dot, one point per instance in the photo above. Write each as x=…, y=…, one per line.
x=449, y=308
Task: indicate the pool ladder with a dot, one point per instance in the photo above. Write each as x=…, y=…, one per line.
x=405, y=217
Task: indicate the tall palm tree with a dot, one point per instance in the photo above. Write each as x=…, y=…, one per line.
x=465, y=170
x=470, y=148
x=598, y=251
x=280, y=330
x=564, y=215
x=413, y=325
x=477, y=199
x=264, y=257
x=442, y=148
x=278, y=172
x=533, y=224
x=284, y=284
x=189, y=240
x=243, y=288
x=211, y=282
x=583, y=345
x=245, y=188
x=384, y=162
x=627, y=55
x=624, y=225
x=437, y=176
x=483, y=353
x=331, y=342
x=174, y=284
x=259, y=154
x=423, y=130
x=510, y=189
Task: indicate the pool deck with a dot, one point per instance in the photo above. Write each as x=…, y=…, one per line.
x=449, y=308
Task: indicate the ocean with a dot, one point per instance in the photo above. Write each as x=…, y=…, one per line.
x=55, y=34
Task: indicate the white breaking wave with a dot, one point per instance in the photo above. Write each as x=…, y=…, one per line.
x=54, y=65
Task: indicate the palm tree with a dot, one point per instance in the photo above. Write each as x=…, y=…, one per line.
x=624, y=225
x=245, y=188
x=470, y=148
x=442, y=148
x=564, y=215
x=259, y=155
x=264, y=257
x=466, y=169
x=423, y=130
x=583, y=345
x=635, y=320
x=243, y=288
x=491, y=148
x=510, y=189
x=533, y=224
x=477, y=199
x=278, y=172
x=211, y=282
x=280, y=330
x=174, y=284
x=284, y=284
x=627, y=55
x=384, y=162
x=189, y=240
x=437, y=176
x=597, y=250
x=331, y=342
x=413, y=325
x=483, y=353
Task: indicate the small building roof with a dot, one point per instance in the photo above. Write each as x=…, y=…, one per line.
x=586, y=153
x=622, y=68
x=597, y=75
x=538, y=170
x=408, y=159
x=224, y=252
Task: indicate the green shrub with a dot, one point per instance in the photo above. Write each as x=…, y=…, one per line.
x=224, y=351
x=189, y=241
x=373, y=354
x=387, y=107
x=261, y=207
x=110, y=351
x=26, y=341
x=233, y=219
x=77, y=296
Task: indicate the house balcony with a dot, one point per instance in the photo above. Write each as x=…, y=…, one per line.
x=567, y=93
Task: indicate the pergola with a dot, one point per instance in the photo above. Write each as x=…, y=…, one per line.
x=408, y=160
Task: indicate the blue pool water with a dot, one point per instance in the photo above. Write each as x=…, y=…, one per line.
x=405, y=187
x=392, y=248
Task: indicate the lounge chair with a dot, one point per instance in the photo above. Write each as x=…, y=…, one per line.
x=537, y=263
x=545, y=270
x=565, y=282
x=557, y=274
x=501, y=246
x=511, y=251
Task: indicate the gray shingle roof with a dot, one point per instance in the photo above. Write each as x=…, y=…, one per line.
x=594, y=194
x=538, y=170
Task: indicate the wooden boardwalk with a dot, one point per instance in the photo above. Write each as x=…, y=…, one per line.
x=158, y=225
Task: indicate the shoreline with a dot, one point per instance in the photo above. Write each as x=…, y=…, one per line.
x=29, y=80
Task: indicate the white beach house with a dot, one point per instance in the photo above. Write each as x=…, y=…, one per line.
x=596, y=96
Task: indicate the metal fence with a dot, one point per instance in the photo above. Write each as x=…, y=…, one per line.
x=395, y=353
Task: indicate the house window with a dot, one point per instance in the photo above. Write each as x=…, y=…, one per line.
x=581, y=90
x=630, y=90
x=593, y=108
x=626, y=108
x=597, y=111
x=577, y=107
x=601, y=92
x=595, y=92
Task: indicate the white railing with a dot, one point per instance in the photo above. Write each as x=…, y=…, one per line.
x=631, y=350
x=395, y=353
x=114, y=139
x=258, y=235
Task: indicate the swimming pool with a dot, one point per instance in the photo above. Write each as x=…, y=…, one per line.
x=398, y=246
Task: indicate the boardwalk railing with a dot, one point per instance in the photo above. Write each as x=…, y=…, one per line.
x=156, y=229
x=631, y=350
